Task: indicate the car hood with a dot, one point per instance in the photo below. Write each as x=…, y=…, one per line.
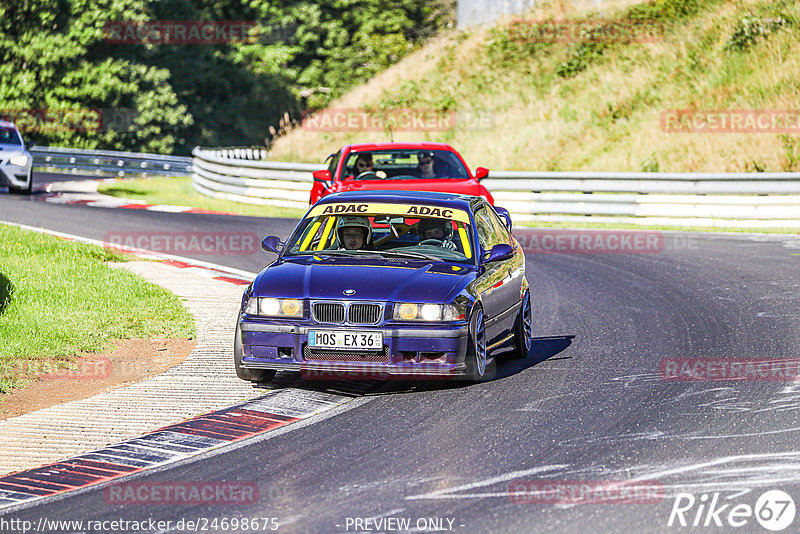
x=407, y=281
x=6, y=151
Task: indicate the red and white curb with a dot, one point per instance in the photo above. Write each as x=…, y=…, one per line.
x=158, y=398
x=120, y=203
x=90, y=197
x=167, y=445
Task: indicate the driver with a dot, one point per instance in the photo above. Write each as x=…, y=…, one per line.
x=438, y=229
x=354, y=232
x=363, y=164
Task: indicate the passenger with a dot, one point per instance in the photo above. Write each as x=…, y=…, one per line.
x=425, y=166
x=354, y=233
x=438, y=229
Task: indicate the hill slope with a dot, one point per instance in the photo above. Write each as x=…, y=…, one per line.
x=596, y=103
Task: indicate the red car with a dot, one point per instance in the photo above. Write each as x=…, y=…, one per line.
x=406, y=166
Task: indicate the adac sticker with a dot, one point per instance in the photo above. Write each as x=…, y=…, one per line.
x=408, y=210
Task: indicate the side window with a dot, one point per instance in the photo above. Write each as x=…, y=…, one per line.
x=334, y=160
x=500, y=228
x=491, y=230
x=484, y=227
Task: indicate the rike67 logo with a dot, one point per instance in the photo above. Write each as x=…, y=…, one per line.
x=774, y=510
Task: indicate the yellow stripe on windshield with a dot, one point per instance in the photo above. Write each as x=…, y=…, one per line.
x=326, y=233
x=412, y=211
x=311, y=233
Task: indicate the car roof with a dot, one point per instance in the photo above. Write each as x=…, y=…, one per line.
x=6, y=124
x=402, y=146
x=451, y=200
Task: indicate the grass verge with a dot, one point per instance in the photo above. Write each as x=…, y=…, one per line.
x=587, y=103
x=178, y=191
x=60, y=298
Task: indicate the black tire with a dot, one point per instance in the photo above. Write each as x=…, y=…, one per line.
x=476, y=359
x=252, y=375
x=21, y=190
x=523, y=328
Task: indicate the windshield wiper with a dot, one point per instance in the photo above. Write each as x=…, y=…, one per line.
x=359, y=252
x=410, y=254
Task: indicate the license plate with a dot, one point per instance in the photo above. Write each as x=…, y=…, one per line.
x=345, y=339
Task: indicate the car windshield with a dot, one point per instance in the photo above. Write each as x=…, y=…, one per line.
x=403, y=164
x=420, y=232
x=9, y=136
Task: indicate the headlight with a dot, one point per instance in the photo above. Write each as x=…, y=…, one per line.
x=20, y=161
x=408, y=311
x=272, y=307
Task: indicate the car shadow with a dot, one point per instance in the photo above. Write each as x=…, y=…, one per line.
x=542, y=349
x=5, y=293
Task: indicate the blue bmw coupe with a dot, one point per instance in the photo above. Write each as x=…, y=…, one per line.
x=388, y=284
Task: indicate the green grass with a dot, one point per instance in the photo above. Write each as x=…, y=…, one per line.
x=58, y=298
x=178, y=191
x=596, y=106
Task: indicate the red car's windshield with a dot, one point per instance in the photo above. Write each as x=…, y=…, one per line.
x=403, y=164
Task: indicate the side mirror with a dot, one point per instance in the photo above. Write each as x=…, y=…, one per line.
x=499, y=253
x=29, y=145
x=481, y=173
x=505, y=215
x=322, y=176
x=272, y=243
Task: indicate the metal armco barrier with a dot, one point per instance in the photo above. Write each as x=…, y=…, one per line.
x=755, y=200
x=221, y=174
x=108, y=163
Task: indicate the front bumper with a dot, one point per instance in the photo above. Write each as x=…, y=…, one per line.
x=14, y=175
x=419, y=351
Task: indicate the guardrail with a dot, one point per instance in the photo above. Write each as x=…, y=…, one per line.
x=108, y=163
x=220, y=174
x=756, y=200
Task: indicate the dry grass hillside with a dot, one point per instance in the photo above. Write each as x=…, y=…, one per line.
x=596, y=102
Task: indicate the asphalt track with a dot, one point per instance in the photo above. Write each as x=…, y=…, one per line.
x=589, y=403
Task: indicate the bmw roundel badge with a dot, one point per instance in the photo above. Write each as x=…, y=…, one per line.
x=349, y=292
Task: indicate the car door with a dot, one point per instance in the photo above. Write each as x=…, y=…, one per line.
x=511, y=290
x=500, y=284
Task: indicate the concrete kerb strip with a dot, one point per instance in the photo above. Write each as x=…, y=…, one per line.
x=203, y=382
x=147, y=422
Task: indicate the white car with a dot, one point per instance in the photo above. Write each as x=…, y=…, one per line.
x=15, y=161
